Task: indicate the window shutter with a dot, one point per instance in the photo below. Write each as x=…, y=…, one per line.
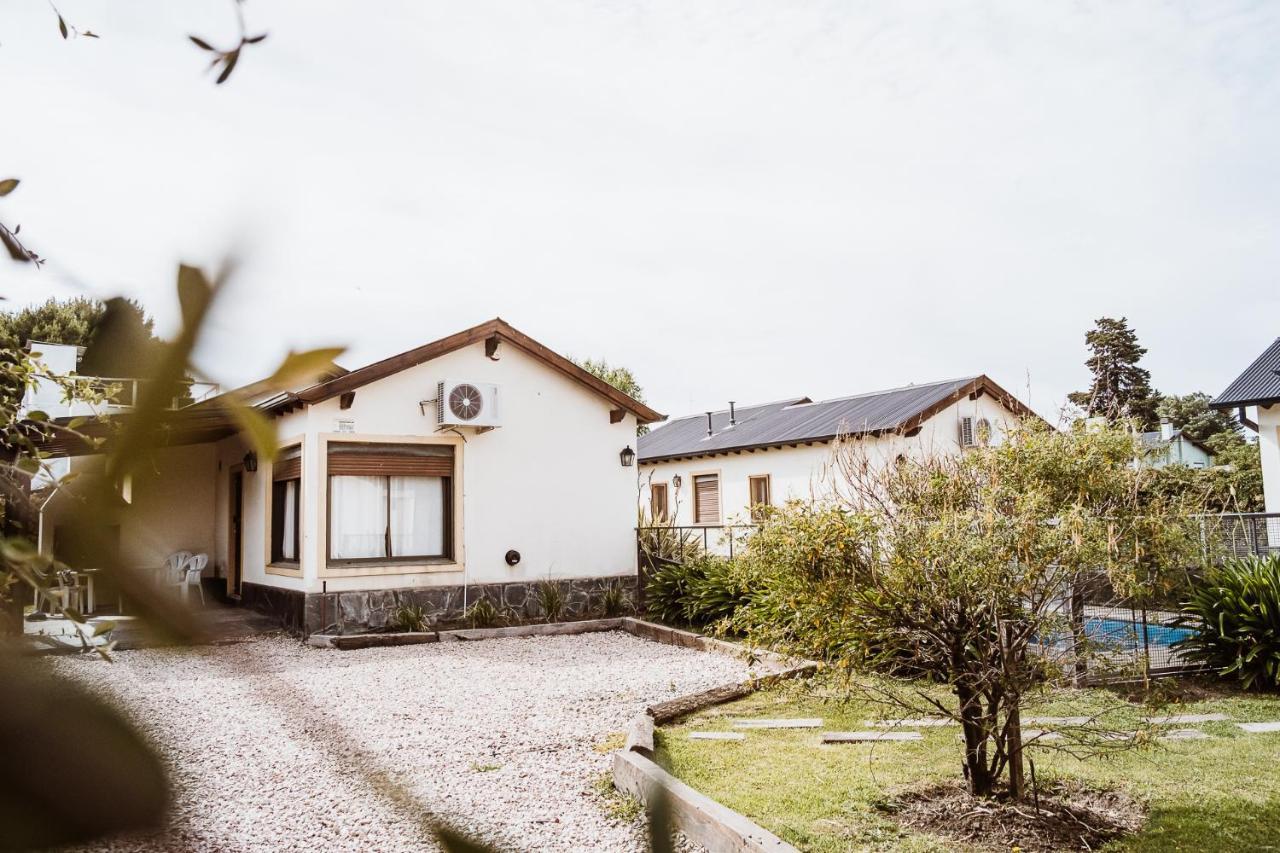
x=288, y=464
x=966, y=432
x=706, y=498
x=390, y=460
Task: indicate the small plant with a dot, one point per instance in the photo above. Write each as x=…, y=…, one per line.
x=1235, y=613
x=615, y=600
x=411, y=618
x=550, y=601
x=483, y=614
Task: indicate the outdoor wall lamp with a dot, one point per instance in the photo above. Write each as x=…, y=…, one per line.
x=251, y=462
x=628, y=456
x=676, y=481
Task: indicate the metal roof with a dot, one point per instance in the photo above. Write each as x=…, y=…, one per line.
x=1260, y=383
x=799, y=420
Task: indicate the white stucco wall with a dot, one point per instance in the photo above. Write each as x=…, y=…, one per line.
x=547, y=483
x=798, y=472
x=171, y=508
x=1269, y=445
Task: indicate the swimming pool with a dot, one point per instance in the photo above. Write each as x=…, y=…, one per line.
x=1129, y=635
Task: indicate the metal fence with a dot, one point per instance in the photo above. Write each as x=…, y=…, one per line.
x=1243, y=534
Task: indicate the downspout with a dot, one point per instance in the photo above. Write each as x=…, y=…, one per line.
x=1243, y=416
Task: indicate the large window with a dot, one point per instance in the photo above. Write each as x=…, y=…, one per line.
x=286, y=492
x=706, y=499
x=390, y=503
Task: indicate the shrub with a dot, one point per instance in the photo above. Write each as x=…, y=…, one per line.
x=1235, y=613
x=615, y=600
x=550, y=600
x=483, y=614
x=700, y=591
x=411, y=618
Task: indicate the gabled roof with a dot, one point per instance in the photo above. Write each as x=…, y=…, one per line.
x=1153, y=439
x=801, y=420
x=497, y=330
x=1258, y=385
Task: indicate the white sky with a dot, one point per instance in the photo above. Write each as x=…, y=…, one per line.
x=738, y=200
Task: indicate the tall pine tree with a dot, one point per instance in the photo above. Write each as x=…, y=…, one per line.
x=1120, y=388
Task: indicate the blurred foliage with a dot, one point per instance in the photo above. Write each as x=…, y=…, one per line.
x=1235, y=613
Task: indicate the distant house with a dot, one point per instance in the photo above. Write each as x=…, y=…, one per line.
x=1258, y=389
x=1170, y=447
x=712, y=469
x=474, y=465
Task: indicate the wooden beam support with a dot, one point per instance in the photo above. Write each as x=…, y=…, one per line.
x=345, y=399
x=616, y=415
x=491, y=347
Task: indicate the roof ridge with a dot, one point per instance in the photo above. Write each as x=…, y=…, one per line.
x=909, y=385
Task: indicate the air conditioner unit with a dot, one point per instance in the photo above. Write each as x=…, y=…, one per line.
x=474, y=404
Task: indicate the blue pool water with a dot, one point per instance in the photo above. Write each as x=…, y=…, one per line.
x=1129, y=634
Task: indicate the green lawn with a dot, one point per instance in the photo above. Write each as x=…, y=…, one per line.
x=1217, y=794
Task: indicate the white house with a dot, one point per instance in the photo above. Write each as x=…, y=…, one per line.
x=1169, y=446
x=474, y=465
x=710, y=470
x=1258, y=389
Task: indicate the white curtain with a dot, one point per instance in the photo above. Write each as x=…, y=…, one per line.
x=357, y=517
x=287, y=549
x=417, y=516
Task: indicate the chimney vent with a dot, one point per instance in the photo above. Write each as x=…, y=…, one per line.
x=709, y=432
x=733, y=420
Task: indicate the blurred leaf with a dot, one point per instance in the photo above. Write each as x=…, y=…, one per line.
x=453, y=841
x=62, y=25
x=255, y=39
x=12, y=246
x=37, y=416
x=7, y=186
x=73, y=767
x=300, y=367
x=261, y=432
x=660, y=826
x=194, y=292
x=89, y=34
x=201, y=43
x=231, y=59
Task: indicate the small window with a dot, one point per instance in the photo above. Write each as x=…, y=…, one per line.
x=706, y=499
x=658, y=502
x=760, y=496
x=286, y=498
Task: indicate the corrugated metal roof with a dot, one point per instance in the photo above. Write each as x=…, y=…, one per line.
x=1259, y=384
x=795, y=420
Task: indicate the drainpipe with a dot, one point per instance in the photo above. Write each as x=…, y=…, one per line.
x=733, y=419
x=709, y=431
x=1242, y=414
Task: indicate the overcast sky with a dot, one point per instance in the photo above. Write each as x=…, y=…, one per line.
x=737, y=200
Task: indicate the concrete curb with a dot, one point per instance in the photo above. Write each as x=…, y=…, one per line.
x=704, y=821
x=344, y=642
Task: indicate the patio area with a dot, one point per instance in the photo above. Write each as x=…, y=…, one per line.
x=276, y=746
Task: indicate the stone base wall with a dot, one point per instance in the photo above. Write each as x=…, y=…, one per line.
x=375, y=610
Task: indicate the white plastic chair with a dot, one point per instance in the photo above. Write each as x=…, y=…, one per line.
x=192, y=574
x=174, y=564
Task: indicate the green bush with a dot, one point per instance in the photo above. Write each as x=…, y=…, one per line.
x=483, y=614
x=550, y=600
x=1235, y=613
x=615, y=601
x=411, y=619
x=700, y=591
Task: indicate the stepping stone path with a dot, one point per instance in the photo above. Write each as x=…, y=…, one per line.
x=1184, y=719
x=919, y=723
x=801, y=723
x=717, y=736
x=1040, y=734
x=1184, y=734
x=866, y=737
x=1260, y=728
x=1058, y=721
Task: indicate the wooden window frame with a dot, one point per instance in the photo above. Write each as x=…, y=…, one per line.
x=752, y=503
x=292, y=476
x=666, y=502
x=447, y=557
x=253, y=482
x=693, y=487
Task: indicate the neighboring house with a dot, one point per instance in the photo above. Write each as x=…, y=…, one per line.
x=1170, y=447
x=712, y=469
x=1258, y=388
x=480, y=463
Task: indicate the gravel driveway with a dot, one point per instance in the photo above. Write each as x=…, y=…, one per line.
x=274, y=745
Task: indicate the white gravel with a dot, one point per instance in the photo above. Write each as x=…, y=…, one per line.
x=276, y=746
